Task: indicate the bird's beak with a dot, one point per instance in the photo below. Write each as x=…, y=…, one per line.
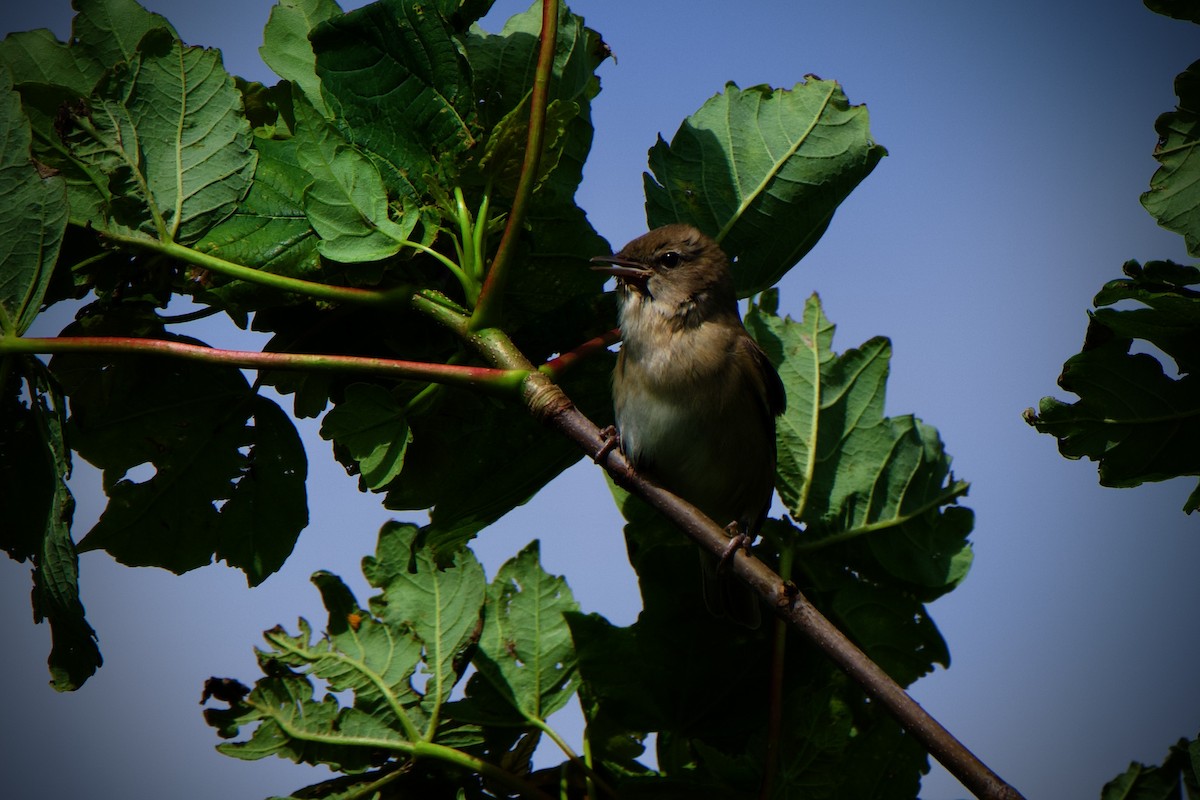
x=622, y=269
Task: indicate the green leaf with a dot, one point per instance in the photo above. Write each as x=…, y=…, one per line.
x=1136, y=421
x=359, y=654
x=228, y=465
x=504, y=151
x=762, y=170
x=163, y=148
x=293, y=725
x=397, y=83
x=846, y=470
x=39, y=59
x=455, y=442
x=1174, y=195
x=33, y=218
x=37, y=507
x=1179, y=773
x=111, y=30
x=525, y=659
x=442, y=606
x=1139, y=424
x=895, y=631
x=346, y=201
x=1168, y=315
x=269, y=230
x=286, y=48
x=370, y=433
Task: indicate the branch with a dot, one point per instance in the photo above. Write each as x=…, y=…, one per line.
x=555, y=367
x=549, y=404
x=495, y=381
x=491, y=297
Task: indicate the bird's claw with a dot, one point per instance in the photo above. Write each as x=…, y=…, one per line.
x=610, y=439
x=737, y=541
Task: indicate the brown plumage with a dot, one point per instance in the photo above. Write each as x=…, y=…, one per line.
x=695, y=397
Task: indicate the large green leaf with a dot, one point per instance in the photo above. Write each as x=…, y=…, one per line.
x=291, y=723
x=369, y=433
x=1136, y=421
x=162, y=147
x=269, y=230
x=397, y=83
x=113, y=29
x=442, y=606
x=229, y=468
x=845, y=470
x=525, y=659
x=286, y=48
x=33, y=218
x=37, y=57
x=762, y=170
x=345, y=201
x=1174, y=195
x=36, y=508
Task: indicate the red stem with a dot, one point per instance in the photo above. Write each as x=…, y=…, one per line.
x=501, y=381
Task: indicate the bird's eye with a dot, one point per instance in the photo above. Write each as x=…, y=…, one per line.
x=669, y=259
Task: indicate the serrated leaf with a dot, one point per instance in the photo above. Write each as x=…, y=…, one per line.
x=164, y=144
x=293, y=725
x=504, y=151
x=762, y=170
x=1174, y=195
x=395, y=80
x=228, y=465
x=845, y=469
x=345, y=202
x=525, y=659
x=1139, y=424
x=369, y=427
x=441, y=605
x=37, y=508
x=33, y=218
x=359, y=654
x=286, y=48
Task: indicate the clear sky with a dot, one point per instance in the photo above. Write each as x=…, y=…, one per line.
x=1020, y=136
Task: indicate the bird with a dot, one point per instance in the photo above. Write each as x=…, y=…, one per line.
x=695, y=398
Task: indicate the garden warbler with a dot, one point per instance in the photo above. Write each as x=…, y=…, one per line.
x=695, y=397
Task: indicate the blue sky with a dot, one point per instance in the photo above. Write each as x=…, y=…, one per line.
x=1020, y=136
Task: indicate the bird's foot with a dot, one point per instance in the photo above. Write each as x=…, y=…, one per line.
x=737, y=541
x=609, y=441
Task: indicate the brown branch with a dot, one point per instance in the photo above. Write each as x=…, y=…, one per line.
x=548, y=403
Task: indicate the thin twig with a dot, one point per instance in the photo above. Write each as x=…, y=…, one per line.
x=555, y=367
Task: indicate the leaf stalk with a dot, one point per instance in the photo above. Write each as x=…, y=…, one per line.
x=491, y=298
